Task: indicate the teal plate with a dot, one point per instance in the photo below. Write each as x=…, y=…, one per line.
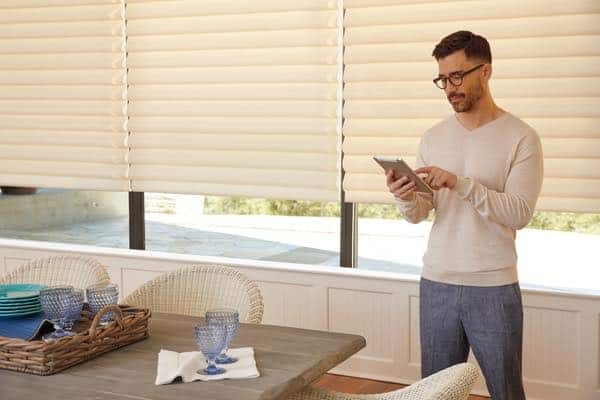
x=11, y=308
x=21, y=313
x=19, y=291
x=19, y=302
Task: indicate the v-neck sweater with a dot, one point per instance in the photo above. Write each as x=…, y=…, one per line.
x=499, y=169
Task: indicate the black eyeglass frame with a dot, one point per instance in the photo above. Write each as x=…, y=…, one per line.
x=456, y=78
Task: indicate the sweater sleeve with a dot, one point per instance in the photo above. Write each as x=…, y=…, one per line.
x=514, y=207
x=417, y=209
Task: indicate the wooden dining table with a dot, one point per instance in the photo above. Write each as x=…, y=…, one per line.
x=288, y=359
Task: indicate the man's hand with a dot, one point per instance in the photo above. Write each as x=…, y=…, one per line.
x=402, y=188
x=438, y=178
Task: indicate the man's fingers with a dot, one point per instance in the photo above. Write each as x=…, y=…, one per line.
x=407, y=187
x=403, y=190
x=431, y=177
x=389, y=177
x=406, y=193
x=393, y=185
x=435, y=177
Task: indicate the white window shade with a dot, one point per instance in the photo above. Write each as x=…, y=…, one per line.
x=63, y=94
x=546, y=71
x=235, y=98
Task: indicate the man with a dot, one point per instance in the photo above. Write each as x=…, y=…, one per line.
x=485, y=166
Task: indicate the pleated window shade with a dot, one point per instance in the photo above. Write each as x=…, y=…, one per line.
x=236, y=98
x=63, y=94
x=242, y=98
x=546, y=71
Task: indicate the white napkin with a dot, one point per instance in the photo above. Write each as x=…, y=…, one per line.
x=172, y=364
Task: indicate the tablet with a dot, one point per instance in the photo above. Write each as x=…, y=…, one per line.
x=400, y=169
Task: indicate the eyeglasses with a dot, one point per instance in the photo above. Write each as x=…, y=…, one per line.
x=456, y=78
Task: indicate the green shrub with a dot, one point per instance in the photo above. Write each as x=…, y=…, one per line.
x=558, y=221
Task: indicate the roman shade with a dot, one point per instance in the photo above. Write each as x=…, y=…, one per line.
x=63, y=94
x=235, y=98
x=546, y=71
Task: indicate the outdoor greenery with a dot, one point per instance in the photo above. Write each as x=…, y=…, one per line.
x=563, y=221
x=560, y=221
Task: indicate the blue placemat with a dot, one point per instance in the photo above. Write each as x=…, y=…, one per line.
x=27, y=327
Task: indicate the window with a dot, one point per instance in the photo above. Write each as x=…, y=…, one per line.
x=557, y=249
x=294, y=231
x=66, y=216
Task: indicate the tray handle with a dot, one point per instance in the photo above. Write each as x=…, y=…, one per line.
x=118, y=318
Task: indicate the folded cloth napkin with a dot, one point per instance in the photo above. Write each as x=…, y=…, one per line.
x=26, y=328
x=172, y=365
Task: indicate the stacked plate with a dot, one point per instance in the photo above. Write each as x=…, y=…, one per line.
x=20, y=299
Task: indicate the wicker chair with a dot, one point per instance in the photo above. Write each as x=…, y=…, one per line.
x=193, y=290
x=79, y=272
x=452, y=383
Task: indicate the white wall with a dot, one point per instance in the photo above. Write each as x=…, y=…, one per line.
x=562, y=331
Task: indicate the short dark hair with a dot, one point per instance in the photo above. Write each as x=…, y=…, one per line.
x=475, y=46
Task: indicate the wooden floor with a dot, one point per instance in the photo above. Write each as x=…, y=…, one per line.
x=348, y=384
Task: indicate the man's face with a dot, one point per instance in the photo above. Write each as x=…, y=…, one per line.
x=464, y=96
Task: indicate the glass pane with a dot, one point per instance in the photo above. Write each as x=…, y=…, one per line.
x=556, y=250
x=66, y=216
x=258, y=229
x=560, y=250
x=386, y=242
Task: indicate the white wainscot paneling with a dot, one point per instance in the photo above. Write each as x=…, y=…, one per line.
x=551, y=339
x=414, y=352
x=368, y=314
x=288, y=304
x=561, y=346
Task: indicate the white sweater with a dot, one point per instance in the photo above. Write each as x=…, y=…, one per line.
x=500, y=170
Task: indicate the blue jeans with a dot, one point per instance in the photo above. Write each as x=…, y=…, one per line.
x=487, y=319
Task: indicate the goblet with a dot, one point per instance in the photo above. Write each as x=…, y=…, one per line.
x=211, y=341
x=230, y=319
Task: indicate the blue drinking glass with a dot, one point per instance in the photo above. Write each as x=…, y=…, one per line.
x=211, y=341
x=100, y=296
x=56, y=302
x=74, y=310
x=230, y=319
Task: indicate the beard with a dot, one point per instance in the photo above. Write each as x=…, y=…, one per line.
x=463, y=102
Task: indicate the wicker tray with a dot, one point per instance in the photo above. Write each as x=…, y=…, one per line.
x=37, y=357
